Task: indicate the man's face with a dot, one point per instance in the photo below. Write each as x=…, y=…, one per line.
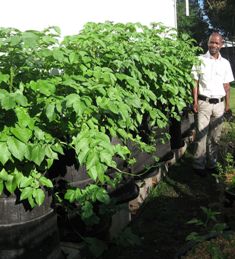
x=215, y=44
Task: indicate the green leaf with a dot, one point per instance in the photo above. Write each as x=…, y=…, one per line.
x=107, y=146
x=71, y=99
x=70, y=195
x=39, y=196
x=106, y=157
x=101, y=136
x=112, y=107
x=31, y=201
x=50, y=153
x=20, y=99
x=24, y=120
x=18, y=176
x=26, y=193
x=22, y=134
x=92, y=159
x=82, y=156
x=26, y=182
x=44, y=87
x=83, y=143
x=11, y=184
x=122, y=151
x=7, y=102
x=93, y=173
x=45, y=182
x=79, y=107
x=57, y=148
x=36, y=153
x=4, y=78
x=30, y=39
x=5, y=155
x=57, y=29
x=122, y=133
x=49, y=162
x=50, y=112
x=17, y=148
x=39, y=134
x=87, y=210
x=73, y=58
x=15, y=40
x=59, y=106
x=58, y=55
x=103, y=196
x=3, y=175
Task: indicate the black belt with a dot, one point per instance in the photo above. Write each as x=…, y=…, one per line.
x=210, y=100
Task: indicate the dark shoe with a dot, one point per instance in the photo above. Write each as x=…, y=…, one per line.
x=200, y=172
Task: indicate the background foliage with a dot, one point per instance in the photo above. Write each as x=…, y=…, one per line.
x=221, y=14
x=196, y=25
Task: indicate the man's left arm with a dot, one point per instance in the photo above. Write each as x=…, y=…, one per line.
x=227, y=96
x=228, y=78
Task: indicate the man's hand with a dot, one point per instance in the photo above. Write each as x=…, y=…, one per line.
x=228, y=115
x=195, y=107
x=227, y=108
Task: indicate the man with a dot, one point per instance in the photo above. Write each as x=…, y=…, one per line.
x=211, y=100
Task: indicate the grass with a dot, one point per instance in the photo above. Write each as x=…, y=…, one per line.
x=232, y=97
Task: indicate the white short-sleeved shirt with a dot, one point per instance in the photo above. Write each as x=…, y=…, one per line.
x=212, y=74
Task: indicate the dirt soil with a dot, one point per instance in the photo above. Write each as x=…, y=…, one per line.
x=161, y=225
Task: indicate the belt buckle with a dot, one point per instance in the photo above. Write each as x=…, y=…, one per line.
x=207, y=99
x=214, y=100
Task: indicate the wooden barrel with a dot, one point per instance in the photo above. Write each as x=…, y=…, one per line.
x=28, y=233
x=66, y=171
x=145, y=159
x=176, y=134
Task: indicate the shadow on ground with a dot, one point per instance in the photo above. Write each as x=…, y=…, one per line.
x=161, y=222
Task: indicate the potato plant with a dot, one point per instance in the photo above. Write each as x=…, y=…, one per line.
x=82, y=91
